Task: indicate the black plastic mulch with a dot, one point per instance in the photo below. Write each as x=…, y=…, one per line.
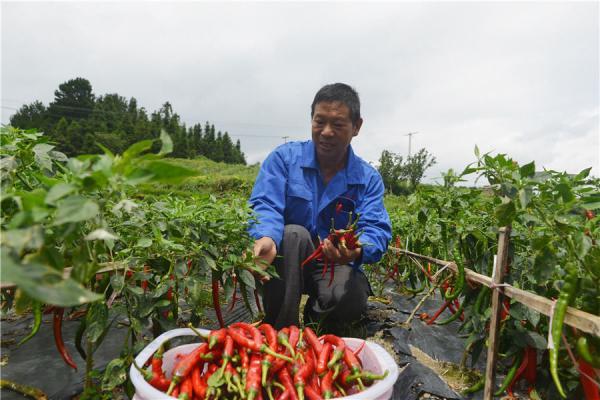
x=37, y=363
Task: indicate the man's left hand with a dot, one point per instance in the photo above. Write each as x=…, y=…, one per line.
x=340, y=255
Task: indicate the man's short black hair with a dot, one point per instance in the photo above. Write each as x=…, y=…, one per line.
x=339, y=92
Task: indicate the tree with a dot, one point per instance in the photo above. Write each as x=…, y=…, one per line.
x=73, y=100
x=390, y=169
x=30, y=116
x=402, y=177
x=416, y=165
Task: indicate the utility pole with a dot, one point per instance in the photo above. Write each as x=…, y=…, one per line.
x=285, y=138
x=410, y=135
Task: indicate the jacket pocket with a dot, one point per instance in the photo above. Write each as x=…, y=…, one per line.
x=298, y=207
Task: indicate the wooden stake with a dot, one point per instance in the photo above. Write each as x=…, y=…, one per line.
x=497, y=279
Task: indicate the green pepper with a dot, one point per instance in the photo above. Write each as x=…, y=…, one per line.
x=453, y=293
x=454, y=316
x=476, y=387
x=583, y=348
x=560, y=309
x=512, y=372
x=37, y=321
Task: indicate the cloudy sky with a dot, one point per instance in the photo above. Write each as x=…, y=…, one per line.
x=516, y=78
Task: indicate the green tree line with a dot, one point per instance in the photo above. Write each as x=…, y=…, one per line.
x=78, y=121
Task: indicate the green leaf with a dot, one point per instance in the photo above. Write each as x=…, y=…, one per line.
x=167, y=143
x=162, y=171
x=45, y=284
x=97, y=320
x=247, y=278
x=137, y=148
x=583, y=174
x=506, y=212
x=75, y=209
x=117, y=282
x=115, y=374
x=31, y=238
x=144, y=242
x=527, y=170
x=565, y=191
x=536, y=340
x=59, y=191
x=138, y=291
x=476, y=151
x=525, y=197
x=41, y=156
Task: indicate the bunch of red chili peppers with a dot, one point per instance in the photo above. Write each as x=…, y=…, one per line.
x=251, y=363
x=345, y=238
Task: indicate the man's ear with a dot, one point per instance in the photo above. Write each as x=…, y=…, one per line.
x=357, y=126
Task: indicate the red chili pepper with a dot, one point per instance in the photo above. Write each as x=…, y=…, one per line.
x=267, y=361
x=338, y=353
x=157, y=360
x=216, y=301
x=312, y=394
x=286, y=380
x=216, y=337
x=315, y=254
x=294, y=336
x=530, y=373
x=505, y=312
x=323, y=358
x=520, y=371
x=227, y=352
x=590, y=388
x=256, y=343
x=187, y=391
x=244, y=359
x=199, y=383
x=58, y=339
x=313, y=340
x=253, y=387
x=233, y=297
x=438, y=312
x=327, y=385
x=302, y=375
x=357, y=352
x=175, y=392
x=282, y=338
x=185, y=366
x=144, y=284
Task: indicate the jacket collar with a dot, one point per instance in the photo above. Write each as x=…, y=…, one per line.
x=353, y=170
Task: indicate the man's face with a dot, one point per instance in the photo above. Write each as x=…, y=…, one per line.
x=332, y=129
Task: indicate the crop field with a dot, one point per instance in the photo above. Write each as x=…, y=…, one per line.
x=144, y=243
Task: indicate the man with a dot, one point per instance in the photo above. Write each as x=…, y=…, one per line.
x=300, y=189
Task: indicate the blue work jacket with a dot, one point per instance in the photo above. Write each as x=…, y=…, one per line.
x=289, y=189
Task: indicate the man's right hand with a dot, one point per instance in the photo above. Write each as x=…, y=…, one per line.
x=265, y=249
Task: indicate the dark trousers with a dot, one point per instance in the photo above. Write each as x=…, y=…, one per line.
x=344, y=301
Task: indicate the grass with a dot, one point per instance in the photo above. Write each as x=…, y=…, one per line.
x=213, y=178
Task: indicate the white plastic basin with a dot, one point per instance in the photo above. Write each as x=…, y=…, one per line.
x=374, y=358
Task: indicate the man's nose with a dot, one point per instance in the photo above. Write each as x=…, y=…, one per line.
x=327, y=130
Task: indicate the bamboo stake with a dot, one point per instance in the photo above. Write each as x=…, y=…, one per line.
x=497, y=279
x=581, y=320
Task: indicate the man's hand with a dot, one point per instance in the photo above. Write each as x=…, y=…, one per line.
x=265, y=249
x=341, y=255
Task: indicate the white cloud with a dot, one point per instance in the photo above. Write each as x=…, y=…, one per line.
x=518, y=78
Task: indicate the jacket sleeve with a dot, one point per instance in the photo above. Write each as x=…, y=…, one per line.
x=374, y=222
x=268, y=199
